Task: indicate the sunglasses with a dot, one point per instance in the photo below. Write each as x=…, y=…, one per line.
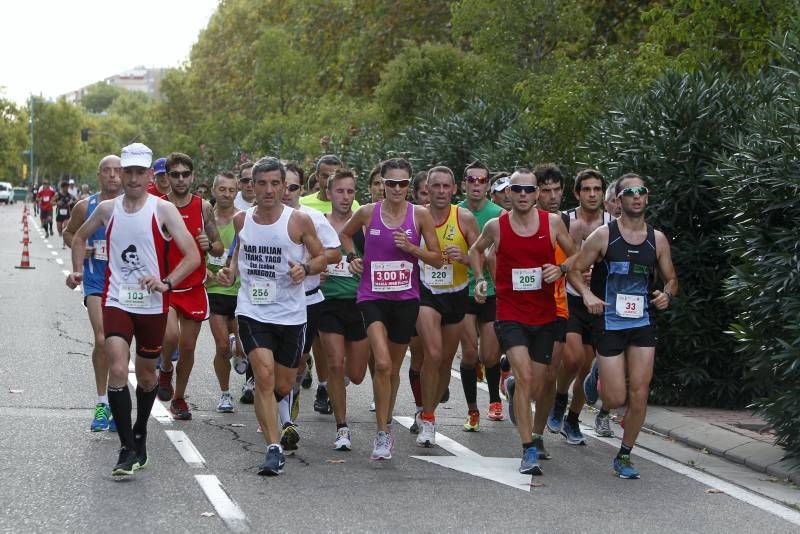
x=517, y=188
x=179, y=174
x=293, y=187
x=631, y=191
x=396, y=183
x=478, y=179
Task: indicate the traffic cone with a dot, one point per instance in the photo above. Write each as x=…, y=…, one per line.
x=25, y=236
x=25, y=263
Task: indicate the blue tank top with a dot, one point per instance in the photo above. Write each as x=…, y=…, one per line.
x=94, y=266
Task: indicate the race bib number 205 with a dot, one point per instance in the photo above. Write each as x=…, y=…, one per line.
x=526, y=279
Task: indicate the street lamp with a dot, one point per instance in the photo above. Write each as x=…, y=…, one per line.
x=31, y=151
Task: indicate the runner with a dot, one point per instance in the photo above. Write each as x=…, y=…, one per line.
x=44, y=199
x=341, y=327
x=272, y=242
x=499, y=183
x=134, y=298
x=376, y=184
x=388, y=292
x=479, y=319
x=246, y=195
x=610, y=202
x=525, y=242
x=94, y=280
x=64, y=201
x=222, y=299
x=443, y=296
x=188, y=303
x=626, y=253
x=159, y=185
x=579, y=352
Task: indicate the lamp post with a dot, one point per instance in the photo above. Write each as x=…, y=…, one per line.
x=31, y=154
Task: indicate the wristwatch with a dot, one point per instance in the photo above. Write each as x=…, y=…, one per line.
x=306, y=269
x=168, y=282
x=563, y=268
x=351, y=256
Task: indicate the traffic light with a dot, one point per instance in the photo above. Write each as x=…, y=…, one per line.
x=85, y=134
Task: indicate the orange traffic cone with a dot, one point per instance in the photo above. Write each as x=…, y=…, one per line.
x=25, y=263
x=25, y=236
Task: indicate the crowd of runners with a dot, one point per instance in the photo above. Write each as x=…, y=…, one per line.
x=543, y=303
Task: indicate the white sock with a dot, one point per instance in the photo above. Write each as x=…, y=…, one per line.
x=226, y=392
x=285, y=410
x=102, y=399
x=275, y=445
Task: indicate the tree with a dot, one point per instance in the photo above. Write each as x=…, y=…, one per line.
x=99, y=97
x=57, y=126
x=13, y=139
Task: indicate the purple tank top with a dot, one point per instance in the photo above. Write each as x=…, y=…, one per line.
x=389, y=273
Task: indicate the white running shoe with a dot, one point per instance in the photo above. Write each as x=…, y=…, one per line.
x=225, y=404
x=342, y=442
x=602, y=426
x=427, y=434
x=382, y=449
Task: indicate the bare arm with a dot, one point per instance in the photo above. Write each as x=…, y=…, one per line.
x=560, y=235
x=431, y=254
x=99, y=217
x=591, y=250
x=360, y=218
x=227, y=275
x=76, y=219
x=489, y=236
x=308, y=236
x=213, y=243
x=173, y=222
x=661, y=299
x=469, y=227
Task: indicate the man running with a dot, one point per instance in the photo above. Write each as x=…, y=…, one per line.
x=44, y=199
x=277, y=247
x=375, y=184
x=625, y=253
x=188, y=303
x=246, y=195
x=64, y=201
x=479, y=319
x=94, y=280
x=388, y=292
x=138, y=227
x=341, y=327
x=159, y=185
x=610, y=202
x=524, y=240
x=443, y=296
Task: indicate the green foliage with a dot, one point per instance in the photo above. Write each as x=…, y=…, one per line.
x=13, y=140
x=58, y=150
x=99, y=97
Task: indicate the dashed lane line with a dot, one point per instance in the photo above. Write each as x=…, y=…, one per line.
x=226, y=508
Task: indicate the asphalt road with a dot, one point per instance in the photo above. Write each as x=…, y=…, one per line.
x=55, y=473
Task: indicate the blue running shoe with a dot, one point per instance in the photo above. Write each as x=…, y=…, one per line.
x=273, y=463
x=590, y=385
x=530, y=462
x=510, y=385
x=556, y=419
x=572, y=433
x=624, y=468
x=102, y=414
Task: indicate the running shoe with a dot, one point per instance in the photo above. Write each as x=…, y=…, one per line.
x=273, y=462
x=624, y=468
x=510, y=382
x=247, y=391
x=590, y=388
x=473, y=422
x=602, y=425
x=308, y=379
x=530, y=462
x=295, y=404
x=140, y=443
x=503, y=376
x=112, y=425
x=572, y=433
x=180, y=410
x=496, y=411
x=556, y=419
x=427, y=435
x=381, y=449
x=342, y=442
x=289, y=438
x=417, y=424
x=165, y=390
x=322, y=403
x=539, y=444
x=225, y=404
x=102, y=415
x=126, y=462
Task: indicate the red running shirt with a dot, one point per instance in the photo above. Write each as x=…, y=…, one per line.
x=45, y=196
x=192, y=214
x=522, y=294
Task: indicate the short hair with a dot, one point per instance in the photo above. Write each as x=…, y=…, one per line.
x=375, y=170
x=585, y=174
x=224, y=174
x=312, y=181
x=63, y=184
x=294, y=167
x=328, y=159
x=523, y=170
x=420, y=177
x=442, y=169
x=340, y=174
x=611, y=191
x=396, y=163
x=548, y=173
x=178, y=158
x=269, y=164
x=618, y=187
x=244, y=166
x=477, y=164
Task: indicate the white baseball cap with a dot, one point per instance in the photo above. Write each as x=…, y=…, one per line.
x=137, y=155
x=500, y=184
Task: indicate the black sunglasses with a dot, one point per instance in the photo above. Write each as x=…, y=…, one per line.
x=631, y=191
x=396, y=183
x=293, y=187
x=178, y=174
x=517, y=188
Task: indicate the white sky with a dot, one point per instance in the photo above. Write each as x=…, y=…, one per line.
x=74, y=43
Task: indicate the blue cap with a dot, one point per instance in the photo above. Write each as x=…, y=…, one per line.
x=160, y=166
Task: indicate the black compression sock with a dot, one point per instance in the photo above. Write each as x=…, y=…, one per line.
x=624, y=450
x=119, y=399
x=561, y=401
x=341, y=425
x=493, y=382
x=572, y=418
x=604, y=412
x=144, y=405
x=469, y=380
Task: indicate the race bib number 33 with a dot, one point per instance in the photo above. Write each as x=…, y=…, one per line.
x=133, y=296
x=391, y=276
x=526, y=279
x=630, y=306
x=263, y=292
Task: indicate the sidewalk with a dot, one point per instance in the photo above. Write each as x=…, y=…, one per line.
x=737, y=436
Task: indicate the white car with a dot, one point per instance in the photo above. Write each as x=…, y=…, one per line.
x=6, y=193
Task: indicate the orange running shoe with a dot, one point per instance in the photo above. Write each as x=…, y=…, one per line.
x=496, y=411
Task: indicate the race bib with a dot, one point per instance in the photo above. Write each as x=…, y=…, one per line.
x=391, y=276
x=439, y=277
x=630, y=306
x=133, y=296
x=526, y=279
x=340, y=269
x=219, y=261
x=264, y=292
x=100, y=250
x=62, y=211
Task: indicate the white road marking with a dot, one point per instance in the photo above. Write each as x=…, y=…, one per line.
x=159, y=412
x=451, y=446
x=59, y=261
x=226, y=508
x=54, y=253
x=49, y=246
x=65, y=272
x=186, y=448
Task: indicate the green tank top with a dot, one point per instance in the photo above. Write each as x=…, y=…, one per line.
x=214, y=264
x=340, y=283
x=489, y=211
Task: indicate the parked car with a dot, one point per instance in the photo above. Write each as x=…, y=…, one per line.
x=20, y=193
x=6, y=193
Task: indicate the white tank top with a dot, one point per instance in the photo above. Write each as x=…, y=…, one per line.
x=136, y=247
x=267, y=293
x=330, y=239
